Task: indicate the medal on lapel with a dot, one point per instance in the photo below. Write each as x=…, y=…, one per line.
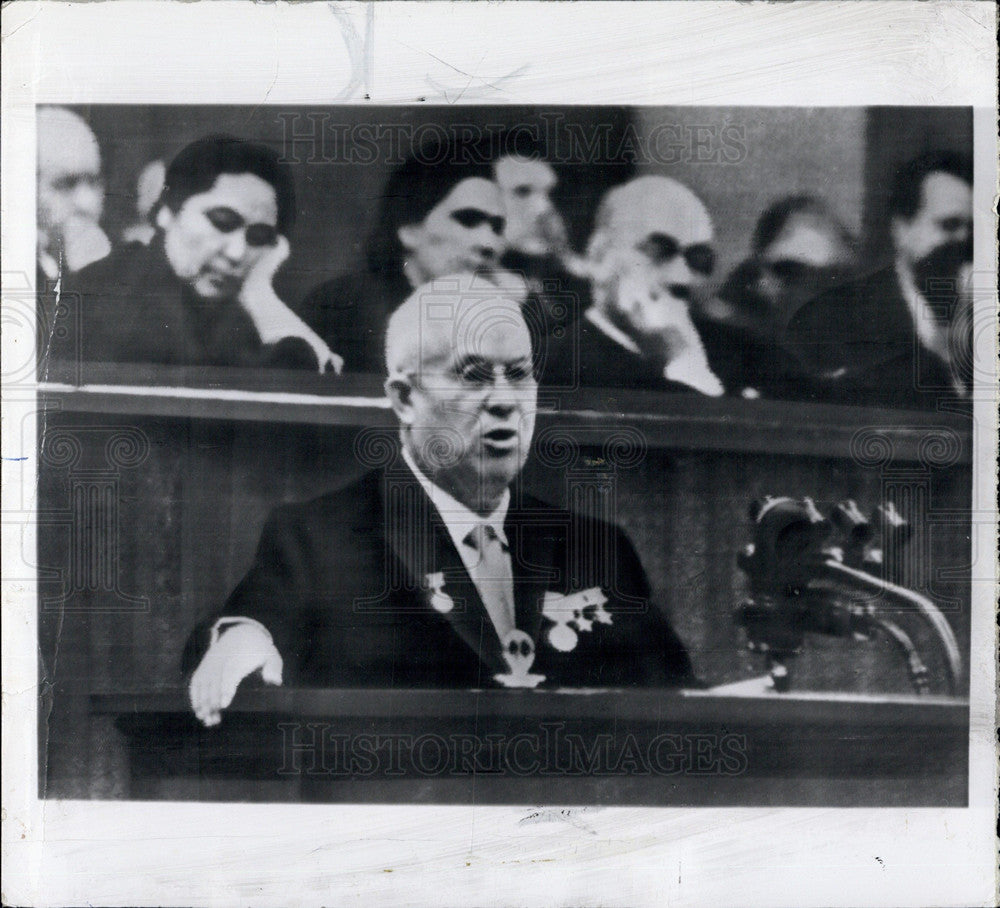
x=568, y=618
x=594, y=598
x=519, y=654
x=440, y=600
x=560, y=636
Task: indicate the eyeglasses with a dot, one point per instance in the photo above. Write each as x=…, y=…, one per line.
x=475, y=374
x=480, y=372
x=225, y=220
x=473, y=217
x=72, y=182
x=790, y=271
x=660, y=249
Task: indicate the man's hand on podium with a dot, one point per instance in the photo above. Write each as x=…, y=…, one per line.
x=239, y=651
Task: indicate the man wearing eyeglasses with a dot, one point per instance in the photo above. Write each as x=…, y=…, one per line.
x=200, y=294
x=70, y=194
x=650, y=252
x=437, y=569
x=799, y=249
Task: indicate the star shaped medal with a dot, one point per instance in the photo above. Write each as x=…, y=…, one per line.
x=573, y=614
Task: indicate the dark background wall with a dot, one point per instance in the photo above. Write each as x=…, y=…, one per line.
x=915, y=130
x=749, y=157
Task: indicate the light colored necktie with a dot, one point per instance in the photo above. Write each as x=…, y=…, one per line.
x=493, y=577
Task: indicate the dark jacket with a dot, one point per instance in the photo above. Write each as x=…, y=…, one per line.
x=350, y=313
x=131, y=308
x=862, y=337
x=745, y=345
x=341, y=582
x=585, y=357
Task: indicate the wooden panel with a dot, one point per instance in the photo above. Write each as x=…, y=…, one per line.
x=584, y=417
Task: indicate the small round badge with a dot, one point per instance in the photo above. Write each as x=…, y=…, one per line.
x=440, y=600
x=562, y=637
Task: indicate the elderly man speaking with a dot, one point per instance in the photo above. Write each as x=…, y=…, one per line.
x=439, y=570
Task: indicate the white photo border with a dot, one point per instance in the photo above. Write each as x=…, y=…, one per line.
x=231, y=52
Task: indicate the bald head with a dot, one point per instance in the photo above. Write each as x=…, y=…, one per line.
x=649, y=253
x=653, y=204
x=64, y=137
x=70, y=188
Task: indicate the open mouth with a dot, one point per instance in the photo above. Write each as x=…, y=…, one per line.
x=501, y=439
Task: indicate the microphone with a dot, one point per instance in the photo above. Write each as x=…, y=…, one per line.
x=800, y=584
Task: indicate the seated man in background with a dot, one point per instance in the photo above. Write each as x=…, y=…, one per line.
x=901, y=337
x=440, y=213
x=535, y=234
x=70, y=194
x=438, y=570
x=200, y=293
x=650, y=253
x=70, y=201
x=799, y=250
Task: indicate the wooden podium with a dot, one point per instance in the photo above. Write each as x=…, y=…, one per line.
x=609, y=747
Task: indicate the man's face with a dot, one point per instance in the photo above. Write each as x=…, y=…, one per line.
x=471, y=404
x=937, y=240
x=70, y=187
x=462, y=233
x=649, y=274
x=806, y=257
x=216, y=237
x=533, y=224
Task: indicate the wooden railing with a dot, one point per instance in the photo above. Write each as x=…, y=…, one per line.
x=665, y=421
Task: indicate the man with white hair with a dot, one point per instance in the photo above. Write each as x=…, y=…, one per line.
x=70, y=194
x=650, y=252
x=437, y=569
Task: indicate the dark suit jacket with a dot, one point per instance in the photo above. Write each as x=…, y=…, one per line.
x=556, y=298
x=863, y=335
x=743, y=359
x=341, y=584
x=350, y=313
x=131, y=308
x=585, y=357
x=744, y=346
